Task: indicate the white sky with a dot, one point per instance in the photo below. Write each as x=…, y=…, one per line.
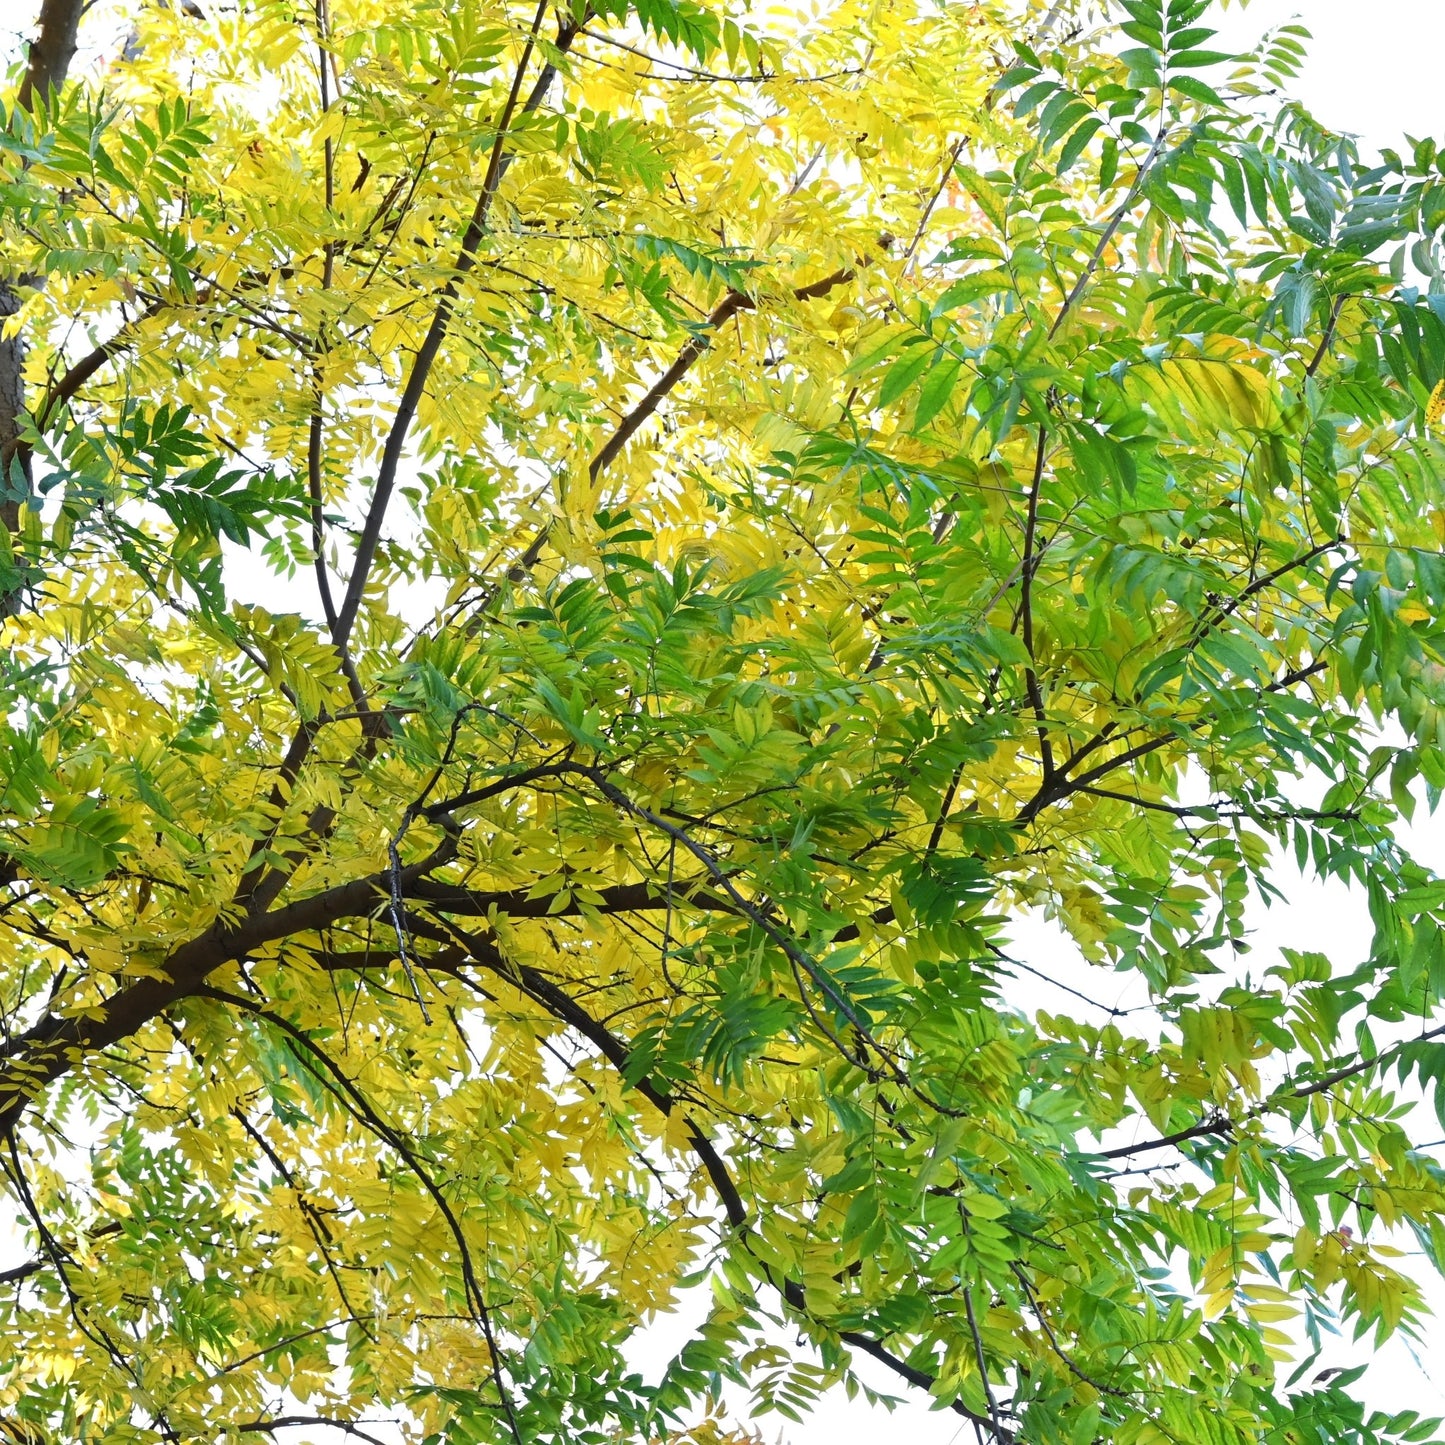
x=1373, y=69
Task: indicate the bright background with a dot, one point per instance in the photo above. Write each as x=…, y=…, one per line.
x=1374, y=70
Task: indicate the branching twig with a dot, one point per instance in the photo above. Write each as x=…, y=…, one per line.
x=1115, y=221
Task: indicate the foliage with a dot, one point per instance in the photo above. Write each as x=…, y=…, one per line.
x=778, y=496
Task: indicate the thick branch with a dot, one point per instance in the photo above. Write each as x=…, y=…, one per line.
x=59, y=1042
x=722, y=313
x=459, y=901
x=51, y=51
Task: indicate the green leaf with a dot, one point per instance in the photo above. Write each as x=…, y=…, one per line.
x=905, y=372
x=938, y=386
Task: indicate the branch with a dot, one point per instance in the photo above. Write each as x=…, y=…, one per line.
x=923, y=1381
x=734, y=302
x=950, y=160
x=691, y=72
x=299, y=1422
x=1115, y=221
x=1030, y=565
x=1226, y=808
x=1061, y=786
x=76, y=377
x=51, y=51
x=318, y=521
x=460, y=901
x=982, y=1362
x=1284, y=1095
x=334, y=1079
x=49, y=60
x=798, y=957
x=441, y=319
x=723, y=312
x=259, y=886
x=1360, y=1066
x=1217, y=1125
x=566, y=1010
x=316, y=1224
x=56, y=1044
x=1224, y=610
x=314, y=471
x=17, y=1273
x=22, y=1271
x=1329, y=336
x=1053, y=1339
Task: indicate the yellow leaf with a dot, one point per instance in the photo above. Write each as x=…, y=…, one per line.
x=1435, y=407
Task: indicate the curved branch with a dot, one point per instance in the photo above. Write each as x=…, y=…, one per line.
x=299, y=1422
x=58, y=1043
x=334, y=1079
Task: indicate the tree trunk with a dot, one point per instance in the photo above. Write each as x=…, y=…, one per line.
x=51, y=51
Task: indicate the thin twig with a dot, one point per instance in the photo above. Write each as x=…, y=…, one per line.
x=1329, y=336
x=952, y=160
x=1115, y=221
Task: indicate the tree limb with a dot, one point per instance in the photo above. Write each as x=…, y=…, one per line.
x=427, y=352
x=51, y=51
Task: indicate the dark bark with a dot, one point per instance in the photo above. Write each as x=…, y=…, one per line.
x=51, y=52
x=58, y=1042
x=12, y=401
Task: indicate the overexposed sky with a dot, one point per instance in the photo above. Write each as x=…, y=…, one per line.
x=1373, y=67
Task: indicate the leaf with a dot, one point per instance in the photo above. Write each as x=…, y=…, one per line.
x=1435, y=407
x=938, y=386
x=904, y=372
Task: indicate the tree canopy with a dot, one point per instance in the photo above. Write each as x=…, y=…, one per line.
x=780, y=494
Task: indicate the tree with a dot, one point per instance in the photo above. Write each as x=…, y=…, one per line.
x=783, y=495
